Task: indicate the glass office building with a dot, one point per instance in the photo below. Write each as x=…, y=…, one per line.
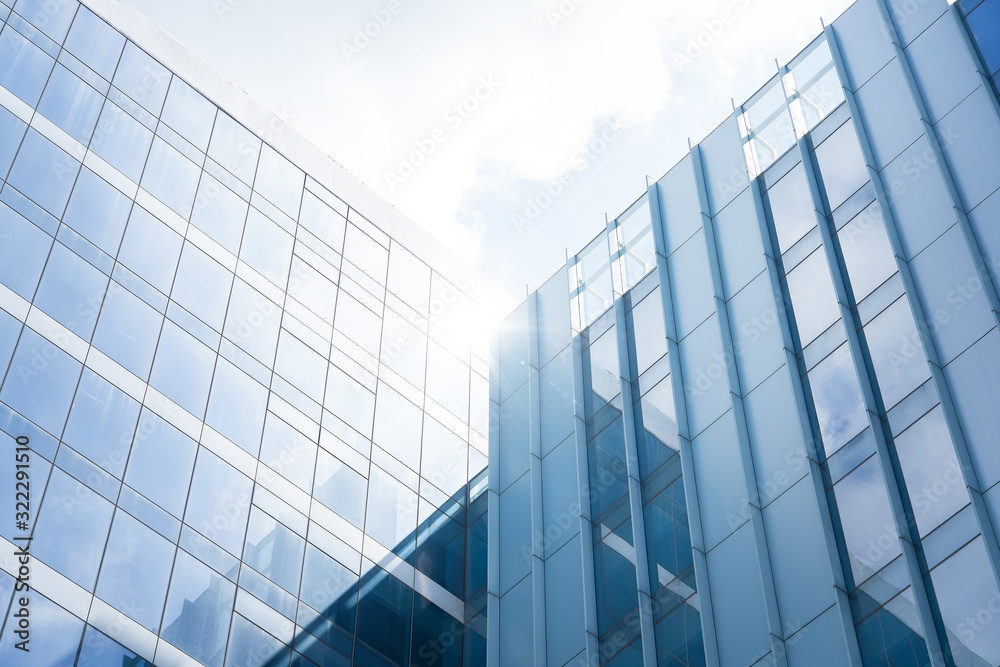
x=261, y=419
x=755, y=421
x=254, y=398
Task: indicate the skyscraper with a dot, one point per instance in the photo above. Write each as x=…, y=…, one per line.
x=245, y=402
x=754, y=422
x=256, y=417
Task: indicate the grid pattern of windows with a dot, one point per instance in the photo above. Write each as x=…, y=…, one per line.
x=257, y=423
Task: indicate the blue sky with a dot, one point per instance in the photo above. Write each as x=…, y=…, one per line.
x=508, y=130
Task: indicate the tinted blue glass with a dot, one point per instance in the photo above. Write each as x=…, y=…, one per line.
x=253, y=322
x=142, y=78
x=236, y=407
x=440, y=552
x=837, y=396
x=182, y=369
x=968, y=595
x=279, y=181
x=678, y=638
x=842, y=165
x=984, y=22
x=444, y=459
x=814, y=300
x=23, y=251
x=51, y=17
x=98, y=211
x=288, y=452
x=95, y=43
x=312, y=289
x=220, y=213
x=219, y=502
x=171, y=177
x=249, y=645
x=897, y=353
x=274, y=551
x=398, y=426
x=198, y=611
x=99, y=650
x=867, y=252
x=161, y=463
x=350, y=401
x=267, y=248
x=135, y=571
x=329, y=587
x=10, y=329
x=40, y=382
x=24, y=67
x=792, y=208
x=447, y=381
x=616, y=592
x=150, y=249
x=71, y=291
x=648, y=331
x=128, y=330
x=122, y=141
x=55, y=636
x=437, y=637
x=301, y=365
x=202, y=286
x=44, y=172
x=71, y=104
x=11, y=132
x=866, y=518
x=101, y=423
x=189, y=113
x=235, y=148
x=72, y=528
x=341, y=488
x=384, y=616
x=392, y=516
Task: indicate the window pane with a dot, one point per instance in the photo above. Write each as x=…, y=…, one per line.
x=252, y=322
x=288, y=452
x=792, y=208
x=968, y=594
x=648, y=331
x=72, y=528
x=171, y=177
x=235, y=148
x=404, y=348
x=41, y=391
x=71, y=104
x=867, y=252
x=814, y=301
x=99, y=650
x=220, y=213
x=95, y=43
x=98, y=211
x=897, y=353
x=128, y=330
x=236, y=407
x=329, y=587
x=384, y=616
x=448, y=381
x=44, y=172
x=101, y=423
x=301, y=365
x=444, y=458
x=11, y=132
x=267, y=248
x=23, y=251
x=869, y=529
x=842, y=165
x=398, y=426
x=183, y=369
x=220, y=502
x=350, y=401
x=358, y=323
x=837, y=395
x=199, y=609
x=312, y=289
x=274, y=551
x=279, y=181
x=189, y=113
x=24, y=67
x=392, y=513
x=52, y=18
x=161, y=463
x=363, y=252
x=409, y=279
x=135, y=571
x=71, y=291
x=55, y=636
x=202, y=286
x=341, y=488
x=142, y=78
x=150, y=249
x=122, y=141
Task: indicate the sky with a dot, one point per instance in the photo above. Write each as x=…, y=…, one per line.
x=510, y=131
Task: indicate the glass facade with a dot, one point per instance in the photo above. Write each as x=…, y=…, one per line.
x=250, y=425
x=753, y=422
x=762, y=400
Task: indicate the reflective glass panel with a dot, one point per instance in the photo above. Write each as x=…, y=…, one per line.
x=837, y=396
x=24, y=67
x=189, y=113
x=142, y=78
x=219, y=502
x=171, y=177
x=151, y=249
x=71, y=291
x=71, y=104
x=40, y=391
x=814, y=300
x=792, y=208
x=98, y=211
x=95, y=43
x=122, y=141
x=198, y=610
x=44, y=172
x=102, y=422
x=161, y=463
